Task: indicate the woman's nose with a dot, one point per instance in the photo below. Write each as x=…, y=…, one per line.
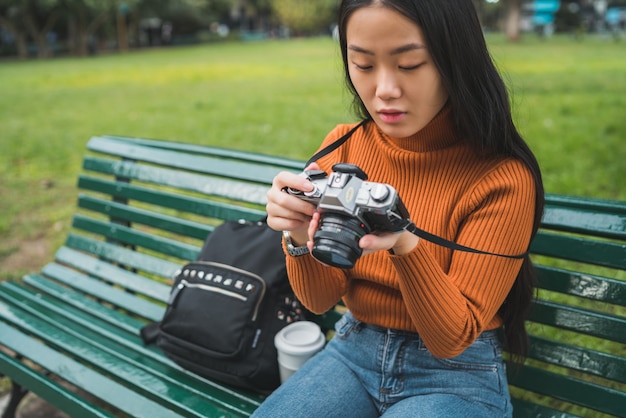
x=387, y=86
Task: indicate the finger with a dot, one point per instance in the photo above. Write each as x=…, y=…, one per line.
x=288, y=212
x=287, y=180
x=313, y=224
x=285, y=224
x=313, y=227
x=312, y=166
x=286, y=205
x=399, y=242
x=376, y=242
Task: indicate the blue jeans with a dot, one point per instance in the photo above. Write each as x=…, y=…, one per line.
x=368, y=371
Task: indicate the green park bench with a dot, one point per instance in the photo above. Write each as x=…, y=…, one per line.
x=70, y=333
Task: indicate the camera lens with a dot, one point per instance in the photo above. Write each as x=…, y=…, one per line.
x=336, y=242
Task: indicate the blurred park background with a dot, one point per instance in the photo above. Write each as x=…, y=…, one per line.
x=265, y=76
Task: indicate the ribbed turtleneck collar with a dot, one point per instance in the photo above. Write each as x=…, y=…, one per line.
x=439, y=133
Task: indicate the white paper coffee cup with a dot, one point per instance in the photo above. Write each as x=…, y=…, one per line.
x=296, y=343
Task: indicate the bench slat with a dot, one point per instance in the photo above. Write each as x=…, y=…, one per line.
x=596, y=217
x=169, y=200
x=231, y=189
x=113, y=274
x=522, y=408
x=608, y=327
x=123, y=256
x=137, y=215
x=584, y=285
x=130, y=236
x=601, y=253
x=285, y=163
x=78, y=302
x=105, y=292
x=189, y=162
x=600, y=364
x=569, y=389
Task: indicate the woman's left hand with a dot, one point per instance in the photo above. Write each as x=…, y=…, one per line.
x=399, y=242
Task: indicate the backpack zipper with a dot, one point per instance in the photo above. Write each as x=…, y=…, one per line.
x=184, y=283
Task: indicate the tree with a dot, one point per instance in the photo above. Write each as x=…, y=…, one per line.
x=10, y=21
x=84, y=18
x=305, y=15
x=513, y=19
x=185, y=16
x=39, y=28
x=34, y=18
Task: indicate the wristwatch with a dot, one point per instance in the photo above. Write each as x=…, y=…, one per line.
x=292, y=249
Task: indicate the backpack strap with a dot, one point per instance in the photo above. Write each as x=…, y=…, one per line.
x=150, y=332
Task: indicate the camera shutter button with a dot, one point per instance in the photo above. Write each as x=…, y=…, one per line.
x=379, y=192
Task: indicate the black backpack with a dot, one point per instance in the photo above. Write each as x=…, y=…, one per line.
x=225, y=308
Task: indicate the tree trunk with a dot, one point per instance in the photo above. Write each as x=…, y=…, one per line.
x=41, y=35
x=513, y=19
x=20, y=37
x=72, y=35
x=91, y=29
x=122, y=33
x=22, y=47
x=82, y=35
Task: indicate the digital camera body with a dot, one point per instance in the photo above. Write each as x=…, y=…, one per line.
x=350, y=207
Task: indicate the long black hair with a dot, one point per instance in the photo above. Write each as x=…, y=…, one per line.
x=481, y=113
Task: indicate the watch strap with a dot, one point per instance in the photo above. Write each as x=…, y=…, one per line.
x=292, y=250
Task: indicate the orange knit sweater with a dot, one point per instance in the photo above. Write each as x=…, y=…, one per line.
x=448, y=297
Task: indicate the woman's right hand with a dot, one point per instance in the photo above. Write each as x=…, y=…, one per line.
x=290, y=213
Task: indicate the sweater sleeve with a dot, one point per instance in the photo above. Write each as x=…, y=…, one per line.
x=450, y=309
x=317, y=286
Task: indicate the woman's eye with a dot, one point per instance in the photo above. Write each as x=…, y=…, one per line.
x=363, y=67
x=409, y=67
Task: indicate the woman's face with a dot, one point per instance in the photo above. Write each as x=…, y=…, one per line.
x=392, y=70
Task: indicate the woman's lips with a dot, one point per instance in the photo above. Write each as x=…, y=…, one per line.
x=391, y=116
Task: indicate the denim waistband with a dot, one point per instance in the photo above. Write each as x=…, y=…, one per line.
x=488, y=334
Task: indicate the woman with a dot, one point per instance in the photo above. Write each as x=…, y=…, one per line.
x=422, y=334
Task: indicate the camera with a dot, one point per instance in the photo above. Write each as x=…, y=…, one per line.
x=350, y=207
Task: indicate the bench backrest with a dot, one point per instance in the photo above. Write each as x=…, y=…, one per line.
x=578, y=321
x=146, y=206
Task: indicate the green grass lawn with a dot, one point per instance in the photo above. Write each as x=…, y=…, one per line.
x=278, y=97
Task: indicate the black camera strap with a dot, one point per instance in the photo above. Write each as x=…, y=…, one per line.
x=412, y=228
x=333, y=146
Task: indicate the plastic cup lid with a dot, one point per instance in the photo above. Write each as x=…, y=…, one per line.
x=299, y=337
